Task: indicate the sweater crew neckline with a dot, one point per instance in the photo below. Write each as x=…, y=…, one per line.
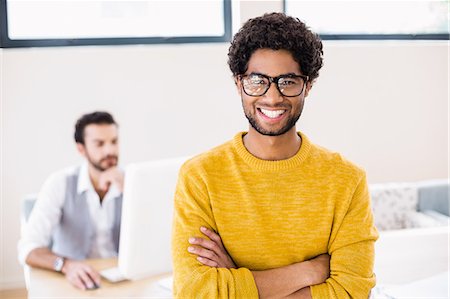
x=269, y=165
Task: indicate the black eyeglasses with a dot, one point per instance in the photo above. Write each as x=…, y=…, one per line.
x=290, y=85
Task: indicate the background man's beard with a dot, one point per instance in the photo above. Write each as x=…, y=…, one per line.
x=99, y=167
x=291, y=123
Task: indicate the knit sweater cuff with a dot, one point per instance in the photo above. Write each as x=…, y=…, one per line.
x=319, y=291
x=245, y=283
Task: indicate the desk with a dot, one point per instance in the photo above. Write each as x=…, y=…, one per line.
x=49, y=284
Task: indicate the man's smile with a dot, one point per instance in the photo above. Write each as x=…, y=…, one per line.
x=271, y=116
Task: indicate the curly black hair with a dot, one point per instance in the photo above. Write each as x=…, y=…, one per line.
x=97, y=117
x=276, y=31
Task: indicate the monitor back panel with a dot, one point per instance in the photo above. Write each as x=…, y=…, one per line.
x=147, y=211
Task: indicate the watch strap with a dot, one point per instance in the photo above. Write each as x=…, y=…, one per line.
x=58, y=264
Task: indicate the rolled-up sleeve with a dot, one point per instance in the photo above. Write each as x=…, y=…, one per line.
x=44, y=217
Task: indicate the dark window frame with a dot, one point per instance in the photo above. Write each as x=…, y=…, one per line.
x=436, y=36
x=6, y=42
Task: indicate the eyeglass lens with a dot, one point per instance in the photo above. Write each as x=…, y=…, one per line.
x=257, y=85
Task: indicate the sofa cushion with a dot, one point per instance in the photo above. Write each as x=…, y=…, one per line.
x=391, y=204
x=434, y=195
x=423, y=220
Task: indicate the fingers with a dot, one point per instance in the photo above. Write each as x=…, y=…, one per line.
x=207, y=262
x=212, y=235
x=202, y=252
x=86, y=279
x=211, y=252
x=104, y=182
x=205, y=244
x=79, y=279
x=110, y=176
x=82, y=276
x=94, y=275
x=207, y=251
x=104, y=186
x=76, y=281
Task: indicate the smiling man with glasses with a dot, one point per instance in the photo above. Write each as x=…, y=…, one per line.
x=270, y=214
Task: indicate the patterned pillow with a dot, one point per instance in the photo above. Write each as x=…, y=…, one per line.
x=391, y=204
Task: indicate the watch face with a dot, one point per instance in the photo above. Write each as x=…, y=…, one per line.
x=59, y=263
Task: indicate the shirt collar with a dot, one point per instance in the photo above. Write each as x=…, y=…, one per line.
x=85, y=183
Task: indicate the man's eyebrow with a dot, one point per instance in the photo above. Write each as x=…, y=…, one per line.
x=290, y=74
x=286, y=74
x=256, y=73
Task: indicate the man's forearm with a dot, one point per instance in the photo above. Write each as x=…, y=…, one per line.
x=41, y=258
x=284, y=281
x=304, y=293
x=290, y=280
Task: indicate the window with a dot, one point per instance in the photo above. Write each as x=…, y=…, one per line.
x=26, y=23
x=380, y=19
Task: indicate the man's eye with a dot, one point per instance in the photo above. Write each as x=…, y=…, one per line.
x=287, y=82
x=256, y=81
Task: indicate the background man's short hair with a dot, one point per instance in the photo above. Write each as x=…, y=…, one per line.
x=97, y=117
x=276, y=31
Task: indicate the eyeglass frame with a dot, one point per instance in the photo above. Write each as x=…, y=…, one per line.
x=275, y=80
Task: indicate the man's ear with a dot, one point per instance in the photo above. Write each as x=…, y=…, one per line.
x=237, y=82
x=81, y=149
x=308, y=88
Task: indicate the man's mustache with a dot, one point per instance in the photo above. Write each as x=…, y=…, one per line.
x=109, y=157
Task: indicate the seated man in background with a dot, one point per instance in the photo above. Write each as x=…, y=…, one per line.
x=78, y=209
x=269, y=213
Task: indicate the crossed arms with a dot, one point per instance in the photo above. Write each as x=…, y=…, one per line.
x=291, y=281
x=341, y=268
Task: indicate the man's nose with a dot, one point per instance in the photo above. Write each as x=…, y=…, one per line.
x=110, y=148
x=273, y=95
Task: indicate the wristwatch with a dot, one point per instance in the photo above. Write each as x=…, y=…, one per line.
x=58, y=264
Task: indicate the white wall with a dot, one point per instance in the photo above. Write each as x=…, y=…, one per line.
x=382, y=104
x=385, y=106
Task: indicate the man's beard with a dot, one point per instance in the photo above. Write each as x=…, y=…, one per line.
x=97, y=164
x=289, y=124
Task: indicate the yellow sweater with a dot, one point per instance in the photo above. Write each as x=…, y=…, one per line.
x=271, y=214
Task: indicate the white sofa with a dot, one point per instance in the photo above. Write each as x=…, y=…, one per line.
x=412, y=262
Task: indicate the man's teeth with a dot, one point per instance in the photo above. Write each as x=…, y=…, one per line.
x=272, y=113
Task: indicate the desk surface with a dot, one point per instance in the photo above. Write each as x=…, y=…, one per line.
x=49, y=284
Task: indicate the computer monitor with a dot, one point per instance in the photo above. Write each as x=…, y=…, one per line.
x=147, y=211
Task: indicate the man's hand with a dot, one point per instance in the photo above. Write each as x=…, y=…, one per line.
x=81, y=275
x=211, y=252
x=320, y=269
x=111, y=176
x=292, y=280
